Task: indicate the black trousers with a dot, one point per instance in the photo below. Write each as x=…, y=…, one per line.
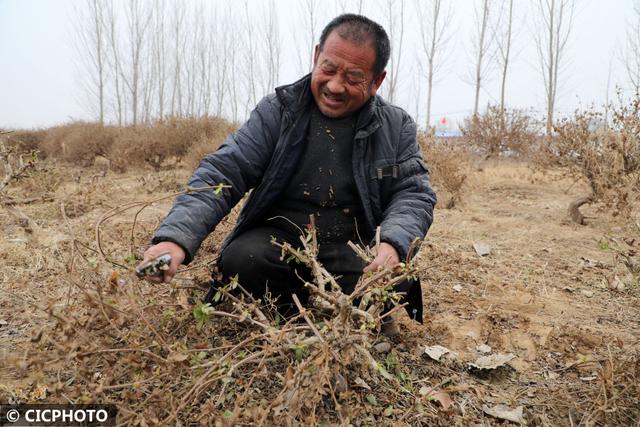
x=263, y=271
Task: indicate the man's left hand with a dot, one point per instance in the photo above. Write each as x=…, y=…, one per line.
x=386, y=256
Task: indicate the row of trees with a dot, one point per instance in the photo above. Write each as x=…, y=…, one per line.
x=147, y=59
x=154, y=59
x=492, y=44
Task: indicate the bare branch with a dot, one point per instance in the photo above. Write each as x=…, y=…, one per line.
x=91, y=44
x=394, y=14
x=503, y=33
x=435, y=31
x=482, y=44
x=553, y=28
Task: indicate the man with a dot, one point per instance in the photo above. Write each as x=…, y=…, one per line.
x=325, y=145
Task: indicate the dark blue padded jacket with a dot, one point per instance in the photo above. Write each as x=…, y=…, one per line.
x=390, y=174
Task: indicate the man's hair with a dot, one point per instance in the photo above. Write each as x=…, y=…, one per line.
x=360, y=29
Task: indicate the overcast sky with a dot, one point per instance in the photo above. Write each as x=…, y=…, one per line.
x=39, y=74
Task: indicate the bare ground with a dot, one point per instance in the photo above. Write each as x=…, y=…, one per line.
x=543, y=294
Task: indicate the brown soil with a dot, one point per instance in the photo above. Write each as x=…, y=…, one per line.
x=542, y=294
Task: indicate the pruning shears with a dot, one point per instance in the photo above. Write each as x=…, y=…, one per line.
x=155, y=266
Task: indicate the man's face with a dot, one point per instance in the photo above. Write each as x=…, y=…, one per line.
x=342, y=79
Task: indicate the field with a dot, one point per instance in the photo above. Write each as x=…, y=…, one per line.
x=553, y=294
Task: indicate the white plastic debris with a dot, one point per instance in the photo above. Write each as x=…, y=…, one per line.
x=481, y=248
x=493, y=361
x=503, y=412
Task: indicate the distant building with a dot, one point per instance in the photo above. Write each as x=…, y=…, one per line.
x=444, y=129
x=448, y=133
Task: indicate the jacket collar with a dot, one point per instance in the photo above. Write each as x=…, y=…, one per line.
x=297, y=96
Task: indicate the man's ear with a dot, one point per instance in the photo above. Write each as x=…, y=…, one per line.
x=316, y=54
x=375, y=85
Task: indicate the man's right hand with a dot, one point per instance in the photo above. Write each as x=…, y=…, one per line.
x=177, y=256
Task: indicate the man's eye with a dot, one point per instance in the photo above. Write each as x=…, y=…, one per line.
x=354, y=80
x=329, y=70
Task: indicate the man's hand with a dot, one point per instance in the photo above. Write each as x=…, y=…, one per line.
x=386, y=256
x=177, y=256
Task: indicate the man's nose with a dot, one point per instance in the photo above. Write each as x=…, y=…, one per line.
x=335, y=84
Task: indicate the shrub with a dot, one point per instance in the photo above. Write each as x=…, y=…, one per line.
x=166, y=143
x=208, y=142
x=498, y=132
x=25, y=141
x=78, y=142
x=446, y=165
x=160, y=144
x=608, y=158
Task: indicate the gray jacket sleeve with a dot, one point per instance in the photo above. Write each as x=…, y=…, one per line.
x=239, y=162
x=409, y=212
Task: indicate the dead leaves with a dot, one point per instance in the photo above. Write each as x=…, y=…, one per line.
x=176, y=357
x=441, y=397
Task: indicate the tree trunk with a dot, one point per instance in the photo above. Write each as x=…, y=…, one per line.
x=574, y=209
x=506, y=53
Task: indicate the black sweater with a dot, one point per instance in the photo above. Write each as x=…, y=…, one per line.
x=324, y=184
